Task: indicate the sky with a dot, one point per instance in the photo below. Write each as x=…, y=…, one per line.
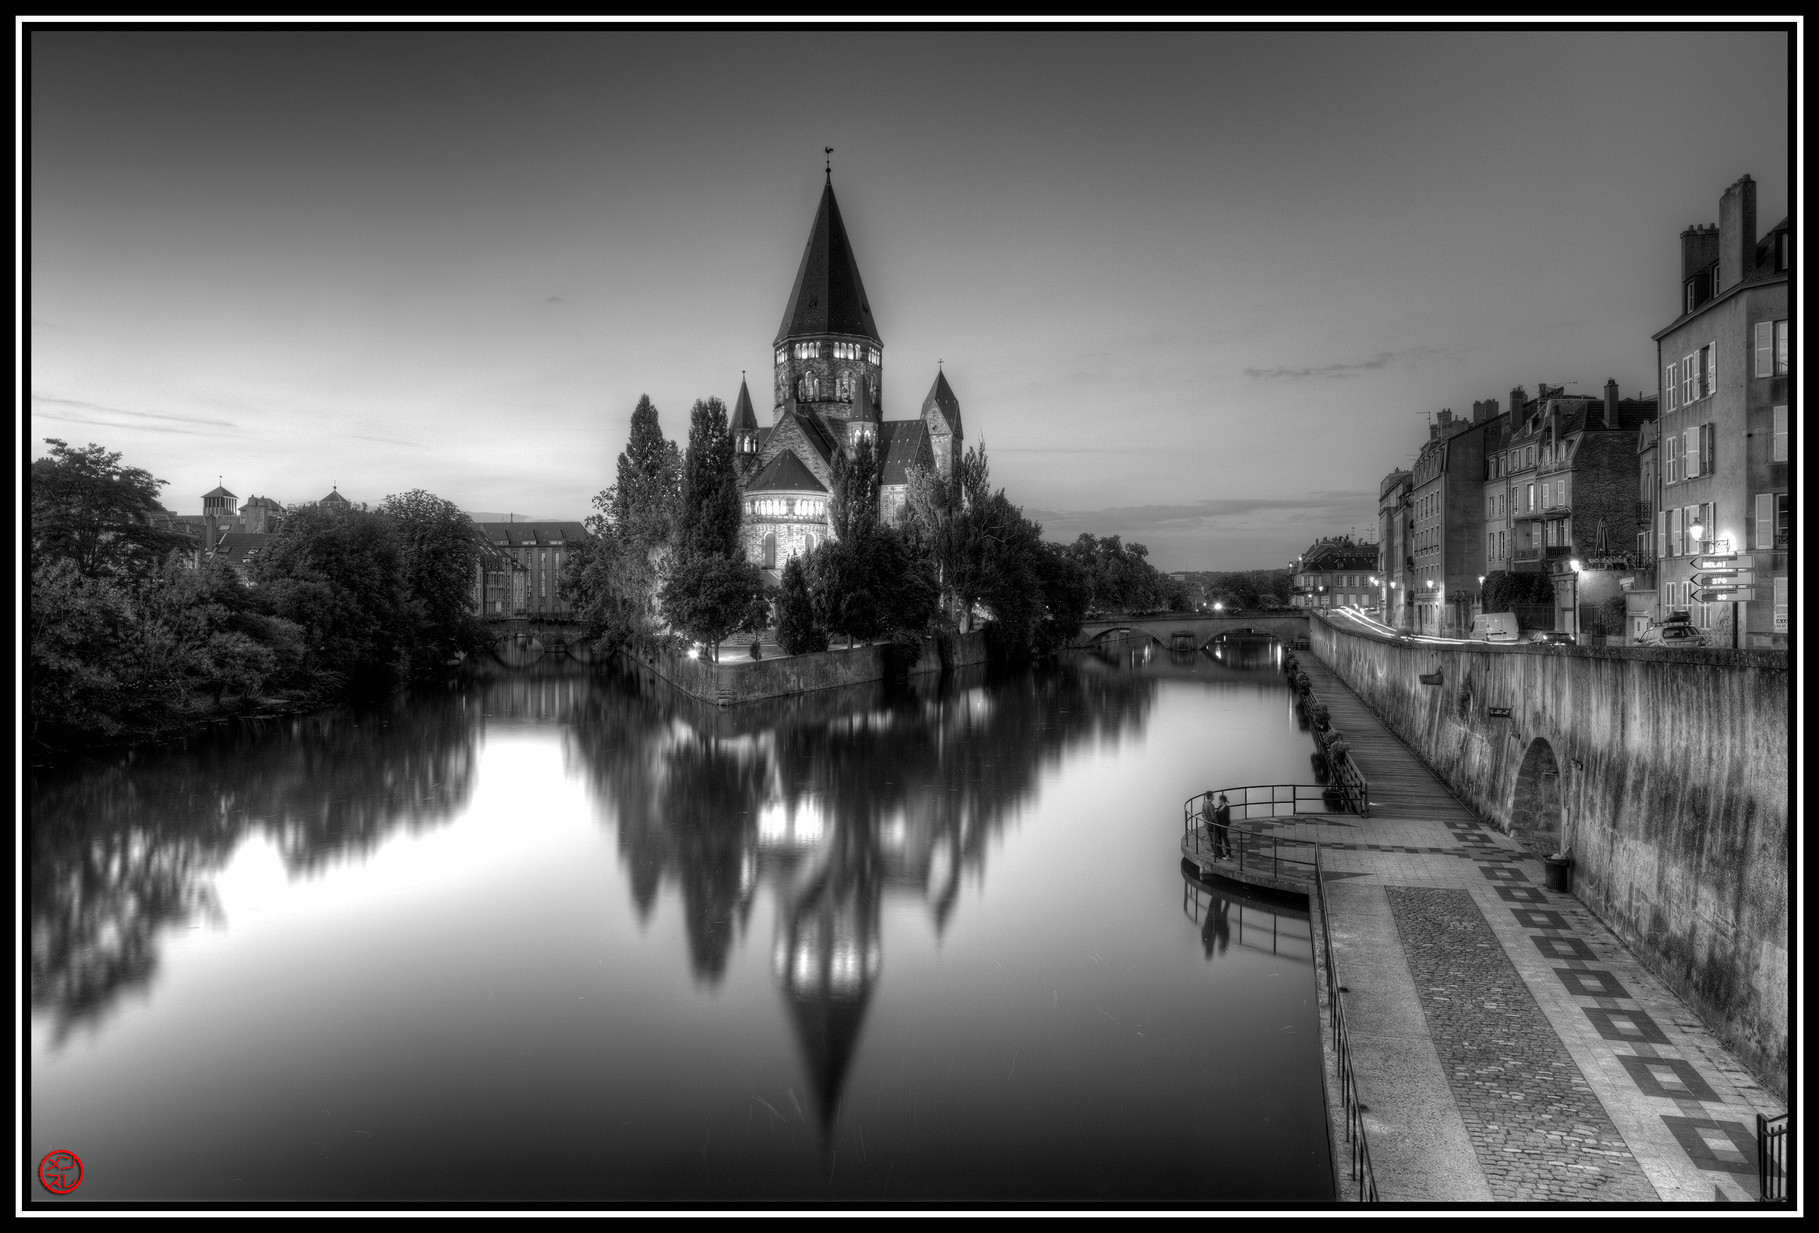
x=1201, y=290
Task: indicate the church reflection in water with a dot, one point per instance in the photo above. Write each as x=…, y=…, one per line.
x=833, y=801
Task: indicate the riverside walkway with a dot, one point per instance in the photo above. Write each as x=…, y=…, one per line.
x=1507, y=1047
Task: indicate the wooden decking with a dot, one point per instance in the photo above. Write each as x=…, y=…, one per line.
x=1401, y=787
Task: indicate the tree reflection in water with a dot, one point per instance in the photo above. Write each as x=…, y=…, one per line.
x=125, y=845
x=834, y=799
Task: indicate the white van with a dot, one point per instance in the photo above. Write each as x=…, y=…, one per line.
x=1494, y=627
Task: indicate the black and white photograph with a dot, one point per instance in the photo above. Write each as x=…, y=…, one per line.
x=762, y=616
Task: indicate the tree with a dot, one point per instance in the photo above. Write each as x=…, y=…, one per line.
x=708, y=516
x=852, y=508
x=97, y=514
x=799, y=630
x=1504, y=589
x=438, y=546
x=614, y=580
x=708, y=598
x=341, y=578
x=1066, y=592
x=642, y=504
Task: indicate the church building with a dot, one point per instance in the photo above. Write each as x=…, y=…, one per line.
x=827, y=394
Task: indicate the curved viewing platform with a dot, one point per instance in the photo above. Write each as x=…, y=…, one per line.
x=1265, y=848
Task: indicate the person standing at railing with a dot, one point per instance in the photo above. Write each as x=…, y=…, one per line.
x=1219, y=824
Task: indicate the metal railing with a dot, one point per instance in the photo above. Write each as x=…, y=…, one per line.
x=1774, y=1181
x=1363, y=1175
x=1255, y=851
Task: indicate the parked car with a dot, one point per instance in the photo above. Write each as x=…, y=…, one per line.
x=1495, y=627
x=1673, y=633
x=1551, y=635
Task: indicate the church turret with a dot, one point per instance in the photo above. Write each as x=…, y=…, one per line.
x=829, y=357
x=941, y=412
x=745, y=425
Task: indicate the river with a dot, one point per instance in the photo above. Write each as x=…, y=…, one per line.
x=567, y=936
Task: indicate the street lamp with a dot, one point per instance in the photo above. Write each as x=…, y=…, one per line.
x=1573, y=565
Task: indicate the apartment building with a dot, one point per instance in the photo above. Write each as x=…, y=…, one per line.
x=1726, y=365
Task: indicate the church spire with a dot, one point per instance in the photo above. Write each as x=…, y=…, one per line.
x=828, y=297
x=745, y=423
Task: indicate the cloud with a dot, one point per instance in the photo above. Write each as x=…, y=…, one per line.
x=1216, y=511
x=1324, y=370
x=145, y=415
x=386, y=440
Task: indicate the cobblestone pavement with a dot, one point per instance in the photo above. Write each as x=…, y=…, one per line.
x=1539, y=1131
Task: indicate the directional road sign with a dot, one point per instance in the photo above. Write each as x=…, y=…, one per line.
x=1724, y=577
x=1734, y=595
x=1731, y=560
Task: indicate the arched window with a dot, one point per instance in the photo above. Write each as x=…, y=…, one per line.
x=845, y=392
x=808, y=542
x=810, y=388
x=770, y=550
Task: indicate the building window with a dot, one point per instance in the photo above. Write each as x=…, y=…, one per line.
x=1779, y=452
x=1772, y=521
x=1670, y=466
x=782, y=355
x=1771, y=348
x=770, y=550
x=1670, y=387
x=1781, y=605
x=1708, y=370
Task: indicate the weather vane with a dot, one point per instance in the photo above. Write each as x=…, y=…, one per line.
x=829, y=151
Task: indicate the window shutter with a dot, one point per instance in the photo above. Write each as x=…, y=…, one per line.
x=1781, y=357
x=1765, y=520
x=1673, y=532
x=1765, y=339
x=1779, y=453
x=1661, y=531
x=1690, y=452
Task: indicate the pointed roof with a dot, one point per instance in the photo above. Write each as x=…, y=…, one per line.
x=901, y=445
x=941, y=395
x=828, y=297
x=743, y=419
x=218, y=492
x=785, y=473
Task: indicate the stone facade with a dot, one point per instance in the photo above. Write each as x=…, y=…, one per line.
x=1727, y=371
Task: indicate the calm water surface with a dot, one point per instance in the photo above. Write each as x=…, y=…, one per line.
x=572, y=937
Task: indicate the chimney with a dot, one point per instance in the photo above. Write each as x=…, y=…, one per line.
x=1698, y=249
x=1484, y=410
x=1518, y=396
x=1736, y=232
x=1610, y=404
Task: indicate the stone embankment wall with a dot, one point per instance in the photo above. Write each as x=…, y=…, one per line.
x=736, y=679
x=1666, y=773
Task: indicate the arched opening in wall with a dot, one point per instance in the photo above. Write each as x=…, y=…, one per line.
x=1535, y=808
x=770, y=550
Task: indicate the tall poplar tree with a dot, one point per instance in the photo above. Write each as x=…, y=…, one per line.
x=708, y=518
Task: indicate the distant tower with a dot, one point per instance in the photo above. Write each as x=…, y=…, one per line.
x=941, y=412
x=829, y=358
x=218, y=504
x=217, y=515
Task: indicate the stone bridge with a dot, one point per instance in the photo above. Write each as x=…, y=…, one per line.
x=1664, y=772
x=520, y=641
x=1285, y=627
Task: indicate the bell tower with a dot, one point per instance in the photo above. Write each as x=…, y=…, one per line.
x=828, y=356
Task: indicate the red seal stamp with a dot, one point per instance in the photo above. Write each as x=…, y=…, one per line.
x=60, y=1171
